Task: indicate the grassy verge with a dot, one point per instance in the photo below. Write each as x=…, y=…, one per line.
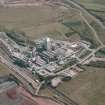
x=84, y=89
x=3, y=70
x=100, y=53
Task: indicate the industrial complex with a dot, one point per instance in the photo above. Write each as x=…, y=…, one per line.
x=46, y=61
x=52, y=52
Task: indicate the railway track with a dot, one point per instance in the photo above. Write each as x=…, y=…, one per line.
x=61, y=97
x=31, y=85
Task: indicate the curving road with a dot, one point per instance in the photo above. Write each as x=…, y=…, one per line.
x=73, y=2
x=84, y=11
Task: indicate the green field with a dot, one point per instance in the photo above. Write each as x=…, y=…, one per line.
x=100, y=2
x=97, y=8
x=93, y=4
x=83, y=30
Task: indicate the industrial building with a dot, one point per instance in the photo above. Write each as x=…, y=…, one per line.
x=48, y=58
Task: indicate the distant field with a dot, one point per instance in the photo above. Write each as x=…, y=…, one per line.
x=45, y=20
x=35, y=21
x=26, y=19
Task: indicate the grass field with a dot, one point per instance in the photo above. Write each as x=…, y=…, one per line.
x=88, y=88
x=100, y=2
x=94, y=6
x=97, y=8
x=35, y=21
x=44, y=20
x=3, y=70
x=83, y=30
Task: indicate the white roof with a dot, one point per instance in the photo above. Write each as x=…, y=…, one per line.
x=56, y=81
x=18, y=55
x=69, y=52
x=44, y=72
x=74, y=45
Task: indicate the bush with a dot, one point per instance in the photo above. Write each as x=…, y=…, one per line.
x=18, y=36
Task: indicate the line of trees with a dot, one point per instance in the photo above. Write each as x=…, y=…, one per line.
x=15, y=34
